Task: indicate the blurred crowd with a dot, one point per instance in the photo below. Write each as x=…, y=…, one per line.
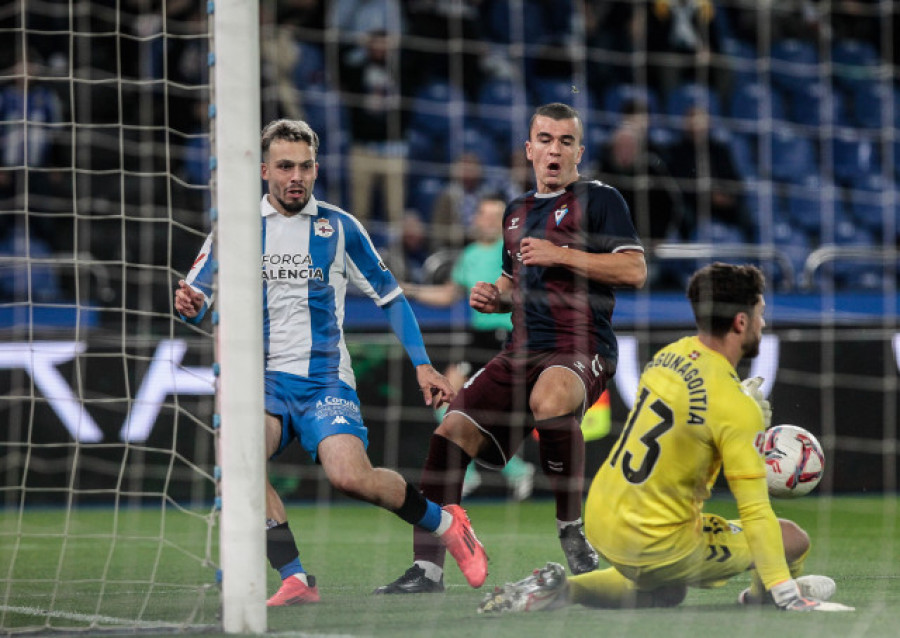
x=722, y=121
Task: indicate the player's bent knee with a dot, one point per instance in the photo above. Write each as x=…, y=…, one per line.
x=795, y=539
x=461, y=431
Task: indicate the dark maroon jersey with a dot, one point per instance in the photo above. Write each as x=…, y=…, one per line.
x=554, y=308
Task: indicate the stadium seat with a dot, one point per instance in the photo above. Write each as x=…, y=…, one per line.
x=497, y=99
x=437, y=108
x=817, y=105
x=871, y=101
x=499, y=27
x=310, y=67
x=853, y=62
x=615, y=98
x=794, y=244
x=23, y=279
x=743, y=150
x=421, y=193
x=795, y=64
x=754, y=103
x=426, y=151
x=808, y=205
x=325, y=112
x=852, y=273
x=854, y=156
x=760, y=206
x=741, y=60
x=897, y=157
x=870, y=208
x=793, y=156
x=685, y=96
x=476, y=140
x=547, y=89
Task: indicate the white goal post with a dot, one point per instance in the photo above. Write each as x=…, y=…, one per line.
x=236, y=112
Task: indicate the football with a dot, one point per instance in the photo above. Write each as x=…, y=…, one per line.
x=794, y=461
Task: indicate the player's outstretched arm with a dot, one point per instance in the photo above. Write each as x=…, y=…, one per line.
x=787, y=596
x=436, y=388
x=188, y=302
x=752, y=387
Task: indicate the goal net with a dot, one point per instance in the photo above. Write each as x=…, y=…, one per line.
x=739, y=131
x=107, y=452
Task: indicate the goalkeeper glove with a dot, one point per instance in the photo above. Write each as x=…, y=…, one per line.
x=787, y=596
x=751, y=387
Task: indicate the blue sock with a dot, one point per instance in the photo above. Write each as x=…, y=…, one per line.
x=294, y=567
x=432, y=517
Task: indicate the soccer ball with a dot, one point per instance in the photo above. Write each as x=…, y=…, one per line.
x=794, y=461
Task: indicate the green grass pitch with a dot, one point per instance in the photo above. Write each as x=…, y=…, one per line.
x=354, y=548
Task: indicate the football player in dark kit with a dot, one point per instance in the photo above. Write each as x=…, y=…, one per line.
x=567, y=245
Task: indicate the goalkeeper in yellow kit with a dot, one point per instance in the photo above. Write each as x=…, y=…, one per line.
x=692, y=418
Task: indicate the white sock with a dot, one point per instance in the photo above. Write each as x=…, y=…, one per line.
x=301, y=576
x=446, y=522
x=432, y=571
x=560, y=524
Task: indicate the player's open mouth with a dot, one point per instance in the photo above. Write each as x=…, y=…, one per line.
x=553, y=166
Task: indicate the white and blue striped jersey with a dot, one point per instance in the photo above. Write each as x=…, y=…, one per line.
x=307, y=262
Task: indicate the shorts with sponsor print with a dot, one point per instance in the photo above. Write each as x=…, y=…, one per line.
x=495, y=398
x=311, y=411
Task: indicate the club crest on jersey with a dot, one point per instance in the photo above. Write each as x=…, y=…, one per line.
x=694, y=355
x=559, y=213
x=323, y=228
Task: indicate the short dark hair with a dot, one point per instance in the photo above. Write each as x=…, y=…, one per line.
x=290, y=130
x=557, y=111
x=720, y=291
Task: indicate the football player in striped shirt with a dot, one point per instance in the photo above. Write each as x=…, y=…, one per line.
x=311, y=251
x=566, y=246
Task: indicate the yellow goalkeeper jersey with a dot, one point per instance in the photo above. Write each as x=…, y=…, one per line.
x=691, y=417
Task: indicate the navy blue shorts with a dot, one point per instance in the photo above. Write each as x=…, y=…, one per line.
x=495, y=398
x=311, y=411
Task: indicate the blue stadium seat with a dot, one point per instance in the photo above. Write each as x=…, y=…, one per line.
x=794, y=64
x=897, y=157
x=794, y=244
x=855, y=274
x=816, y=105
x=498, y=25
x=807, y=204
x=324, y=111
x=421, y=193
x=618, y=95
x=870, y=101
x=760, y=207
x=496, y=113
x=752, y=103
x=424, y=151
x=437, y=107
x=476, y=140
x=869, y=208
x=854, y=61
x=685, y=96
x=715, y=232
x=310, y=67
x=546, y=89
x=793, y=156
x=743, y=150
x=854, y=156
x=741, y=59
